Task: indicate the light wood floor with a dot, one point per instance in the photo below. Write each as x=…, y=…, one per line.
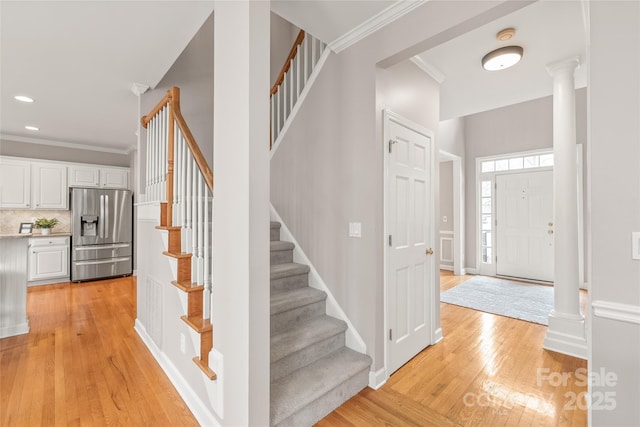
x=83, y=364
x=484, y=373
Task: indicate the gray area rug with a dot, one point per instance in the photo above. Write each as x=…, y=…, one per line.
x=523, y=301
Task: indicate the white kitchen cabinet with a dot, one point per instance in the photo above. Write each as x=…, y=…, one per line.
x=103, y=177
x=15, y=184
x=114, y=178
x=49, y=186
x=48, y=258
x=84, y=176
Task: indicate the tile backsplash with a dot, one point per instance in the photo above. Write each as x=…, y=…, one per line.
x=10, y=220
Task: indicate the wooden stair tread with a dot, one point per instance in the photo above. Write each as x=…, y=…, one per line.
x=204, y=368
x=187, y=287
x=198, y=324
x=177, y=255
x=168, y=228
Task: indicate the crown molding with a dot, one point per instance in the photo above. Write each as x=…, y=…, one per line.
x=373, y=24
x=431, y=70
x=64, y=144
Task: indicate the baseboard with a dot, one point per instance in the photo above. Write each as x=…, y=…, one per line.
x=48, y=281
x=471, y=271
x=437, y=336
x=377, y=379
x=464, y=271
x=446, y=267
x=353, y=340
x=10, y=331
x=202, y=414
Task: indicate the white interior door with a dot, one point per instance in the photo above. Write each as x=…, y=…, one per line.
x=410, y=259
x=524, y=225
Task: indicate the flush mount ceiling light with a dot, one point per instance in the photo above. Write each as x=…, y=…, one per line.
x=503, y=57
x=23, y=98
x=32, y=128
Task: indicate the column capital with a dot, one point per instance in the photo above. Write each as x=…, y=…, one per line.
x=566, y=65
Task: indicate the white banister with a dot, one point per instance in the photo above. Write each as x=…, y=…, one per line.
x=285, y=93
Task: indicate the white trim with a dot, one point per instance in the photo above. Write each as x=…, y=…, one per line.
x=459, y=242
x=62, y=144
x=446, y=232
x=377, y=379
x=190, y=397
x=382, y=19
x=446, y=267
x=353, y=340
x=442, y=258
x=617, y=311
x=438, y=336
x=428, y=68
x=387, y=117
x=300, y=100
x=13, y=330
x=52, y=281
x=471, y=271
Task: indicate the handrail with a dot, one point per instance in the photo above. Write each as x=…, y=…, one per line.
x=173, y=99
x=287, y=63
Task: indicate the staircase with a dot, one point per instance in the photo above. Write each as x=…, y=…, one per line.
x=312, y=372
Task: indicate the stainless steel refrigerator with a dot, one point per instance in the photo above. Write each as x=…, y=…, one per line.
x=101, y=233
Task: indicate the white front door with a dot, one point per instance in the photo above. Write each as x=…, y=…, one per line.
x=409, y=222
x=524, y=225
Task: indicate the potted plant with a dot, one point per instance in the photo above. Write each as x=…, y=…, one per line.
x=45, y=224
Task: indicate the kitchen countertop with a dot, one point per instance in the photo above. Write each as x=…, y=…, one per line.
x=17, y=236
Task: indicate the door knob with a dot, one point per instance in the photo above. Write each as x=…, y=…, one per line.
x=429, y=251
x=550, y=231
x=550, y=224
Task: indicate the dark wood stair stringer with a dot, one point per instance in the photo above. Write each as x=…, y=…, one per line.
x=194, y=317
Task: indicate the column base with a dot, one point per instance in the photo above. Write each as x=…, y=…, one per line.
x=566, y=335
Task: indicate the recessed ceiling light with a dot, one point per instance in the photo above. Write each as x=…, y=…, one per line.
x=23, y=98
x=32, y=128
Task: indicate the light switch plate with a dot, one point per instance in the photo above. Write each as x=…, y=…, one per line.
x=635, y=245
x=355, y=229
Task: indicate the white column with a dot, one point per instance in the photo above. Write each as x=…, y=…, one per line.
x=566, y=332
x=241, y=210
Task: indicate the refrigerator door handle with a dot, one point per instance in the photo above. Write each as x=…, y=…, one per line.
x=105, y=228
x=102, y=218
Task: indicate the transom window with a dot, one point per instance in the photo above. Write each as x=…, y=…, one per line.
x=519, y=162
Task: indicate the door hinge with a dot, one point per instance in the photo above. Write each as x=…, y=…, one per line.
x=391, y=142
x=390, y=334
x=390, y=244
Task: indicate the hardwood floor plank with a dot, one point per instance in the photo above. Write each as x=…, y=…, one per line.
x=83, y=364
x=486, y=371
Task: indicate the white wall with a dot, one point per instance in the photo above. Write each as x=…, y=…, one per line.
x=63, y=154
x=452, y=138
x=192, y=72
x=283, y=34
x=328, y=170
x=614, y=103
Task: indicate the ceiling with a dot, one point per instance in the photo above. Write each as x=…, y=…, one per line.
x=549, y=31
x=80, y=59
